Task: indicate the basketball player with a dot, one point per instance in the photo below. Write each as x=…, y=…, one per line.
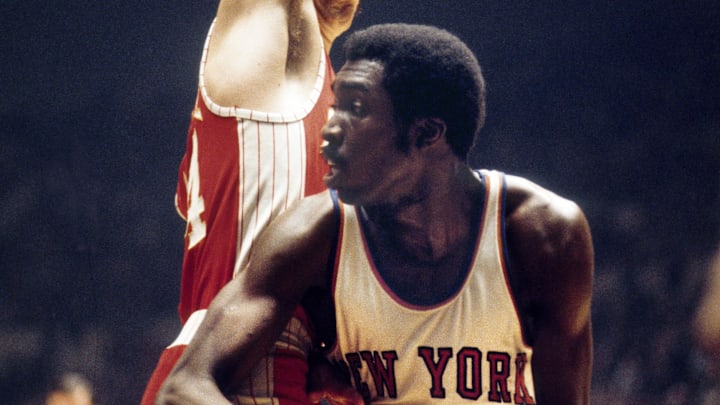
x=252, y=150
x=448, y=284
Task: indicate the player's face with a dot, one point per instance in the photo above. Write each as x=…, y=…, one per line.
x=361, y=140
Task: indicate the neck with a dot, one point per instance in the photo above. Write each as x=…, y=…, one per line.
x=432, y=225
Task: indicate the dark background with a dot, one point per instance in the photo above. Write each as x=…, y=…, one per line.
x=613, y=104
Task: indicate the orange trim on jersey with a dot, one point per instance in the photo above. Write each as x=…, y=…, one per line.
x=338, y=245
x=503, y=256
x=336, y=262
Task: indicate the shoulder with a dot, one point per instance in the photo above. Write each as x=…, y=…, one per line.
x=550, y=253
x=530, y=202
x=535, y=211
x=303, y=234
x=317, y=210
x=546, y=225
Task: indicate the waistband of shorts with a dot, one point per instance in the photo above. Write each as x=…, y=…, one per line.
x=191, y=326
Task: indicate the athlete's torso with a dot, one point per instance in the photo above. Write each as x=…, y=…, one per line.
x=241, y=169
x=469, y=347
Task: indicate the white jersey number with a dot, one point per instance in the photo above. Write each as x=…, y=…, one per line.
x=196, y=228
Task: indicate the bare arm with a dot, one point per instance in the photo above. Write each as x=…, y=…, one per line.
x=250, y=312
x=551, y=260
x=265, y=54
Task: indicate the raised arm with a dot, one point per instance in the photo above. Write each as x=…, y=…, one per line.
x=551, y=269
x=250, y=312
x=265, y=54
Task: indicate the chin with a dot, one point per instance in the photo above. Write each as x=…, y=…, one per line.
x=349, y=197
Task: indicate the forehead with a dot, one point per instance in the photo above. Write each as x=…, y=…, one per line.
x=365, y=75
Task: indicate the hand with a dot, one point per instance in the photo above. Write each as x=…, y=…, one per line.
x=330, y=385
x=346, y=396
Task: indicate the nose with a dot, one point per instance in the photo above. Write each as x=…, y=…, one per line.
x=332, y=130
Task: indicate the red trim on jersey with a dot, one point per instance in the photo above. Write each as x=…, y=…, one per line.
x=167, y=361
x=468, y=270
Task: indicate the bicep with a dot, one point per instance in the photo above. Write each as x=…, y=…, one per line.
x=564, y=341
x=552, y=260
x=567, y=290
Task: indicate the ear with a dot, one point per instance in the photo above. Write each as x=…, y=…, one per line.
x=428, y=131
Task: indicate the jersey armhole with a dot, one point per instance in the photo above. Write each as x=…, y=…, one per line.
x=326, y=338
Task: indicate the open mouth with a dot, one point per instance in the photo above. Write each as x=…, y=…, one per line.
x=329, y=153
x=330, y=177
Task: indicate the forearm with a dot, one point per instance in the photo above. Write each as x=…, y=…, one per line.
x=186, y=388
x=562, y=369
x=227, y=345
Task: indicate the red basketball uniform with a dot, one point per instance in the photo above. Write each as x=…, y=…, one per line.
x=241, y=169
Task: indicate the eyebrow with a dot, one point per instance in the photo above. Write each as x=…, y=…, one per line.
x=350, y=85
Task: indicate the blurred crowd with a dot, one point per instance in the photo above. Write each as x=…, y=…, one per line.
x=77, y=300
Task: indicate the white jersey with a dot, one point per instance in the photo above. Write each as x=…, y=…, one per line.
x=468, y=348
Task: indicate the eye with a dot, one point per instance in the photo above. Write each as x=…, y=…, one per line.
x=353, y=106
x=357, y=108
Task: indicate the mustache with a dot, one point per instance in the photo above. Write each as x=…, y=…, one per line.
x=328, y=150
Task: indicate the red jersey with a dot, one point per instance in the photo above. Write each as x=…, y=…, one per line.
x=241, y=169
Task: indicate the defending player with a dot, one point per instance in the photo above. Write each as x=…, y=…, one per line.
x=252, y=150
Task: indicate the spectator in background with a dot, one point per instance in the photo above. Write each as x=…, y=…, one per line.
x=707, y=318
x=70, y=389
